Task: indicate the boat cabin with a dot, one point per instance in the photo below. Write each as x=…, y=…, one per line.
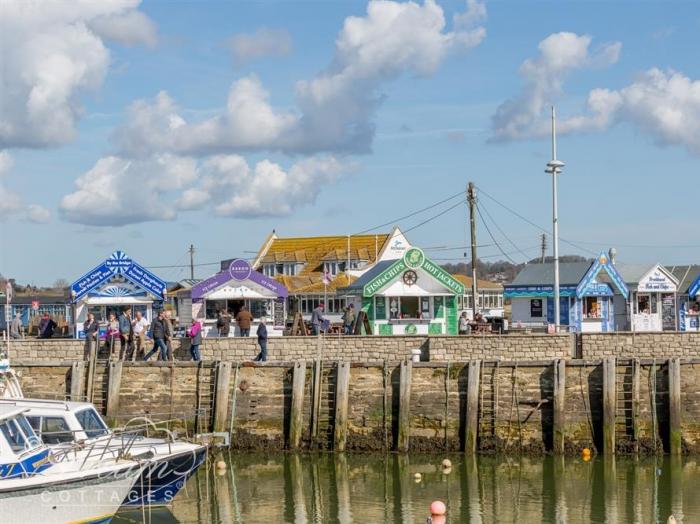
x=22, y=452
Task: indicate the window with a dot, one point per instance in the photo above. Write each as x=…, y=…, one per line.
x=212, y=308
x=13, y=435
x=92, y=423
x=35, y=423
x=55, y=430
x=536, y=308
x=260, y=308
x=268, y=270
x=409, y=307
x=28, y=431
x=591, y=307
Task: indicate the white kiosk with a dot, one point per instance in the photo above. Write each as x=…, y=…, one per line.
x=114, y=285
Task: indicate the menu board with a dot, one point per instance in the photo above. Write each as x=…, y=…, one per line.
x=668, y=312
x=380, y=308
x=278, y=313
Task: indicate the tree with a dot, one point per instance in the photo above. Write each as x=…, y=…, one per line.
x=61, y=283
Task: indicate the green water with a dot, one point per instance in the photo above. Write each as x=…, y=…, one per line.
x=299, y=488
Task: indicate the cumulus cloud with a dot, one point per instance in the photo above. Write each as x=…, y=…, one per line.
x=38, y=214
x=52, y=52
x=233, y=188
x=560, y=54
x=262, y=43
x=335, y=109
x=117, y=191
x=128, y=27
x=664, y=104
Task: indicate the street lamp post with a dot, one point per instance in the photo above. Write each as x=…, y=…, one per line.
x=554, y=167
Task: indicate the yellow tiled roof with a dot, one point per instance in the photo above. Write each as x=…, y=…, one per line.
x=313, y=251
x=313, y=283
x=485, y=284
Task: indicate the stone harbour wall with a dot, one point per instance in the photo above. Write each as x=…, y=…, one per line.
x=517, y=407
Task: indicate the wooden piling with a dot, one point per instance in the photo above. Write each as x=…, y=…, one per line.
x=340, y=424
x=223, y=383
x=295, y=417
x=609, y=406
x=404, y=406
x=558, y=409
x=77, y=376
x=471, y=426
x=92, y=362
x=674, y=406
x=316, y=399
x=113, y=387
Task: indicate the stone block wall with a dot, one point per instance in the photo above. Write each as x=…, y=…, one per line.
x=640, y=345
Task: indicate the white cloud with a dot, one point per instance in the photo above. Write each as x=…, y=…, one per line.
x=129, y=27
x=262, y=43
x=51, y=53
x=664, y=104
x=38, y=214
x=560, y=54
x=118, y=191
x=335, y=109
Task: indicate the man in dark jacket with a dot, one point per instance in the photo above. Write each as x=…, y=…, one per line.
x=158, y=332
x=91, y=328
x=262, y=340
x=223, y=323
x=244, y=319
x=46, y=326
x=125, y=333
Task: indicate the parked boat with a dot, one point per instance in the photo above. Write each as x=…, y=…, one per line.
x=76, y=429
x=33, y=488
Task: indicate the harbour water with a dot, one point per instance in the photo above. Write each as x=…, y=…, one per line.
x=325, y=488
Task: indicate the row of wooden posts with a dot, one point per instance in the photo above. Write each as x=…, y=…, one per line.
x=223, y=399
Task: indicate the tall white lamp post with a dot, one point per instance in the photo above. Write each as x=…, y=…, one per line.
x=554, y=167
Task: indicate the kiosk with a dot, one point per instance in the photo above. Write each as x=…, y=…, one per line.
x=239, y=285
x=689, y=311
x=586, y=295
x=410, y=295
x=652, y=298
x=114, y=285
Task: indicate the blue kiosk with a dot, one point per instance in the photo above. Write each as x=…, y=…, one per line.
x=586, y=295
x=114, y=285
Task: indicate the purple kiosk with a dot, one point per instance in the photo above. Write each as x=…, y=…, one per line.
x=235, y=287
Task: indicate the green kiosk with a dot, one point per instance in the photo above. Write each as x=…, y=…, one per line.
x=408, y=296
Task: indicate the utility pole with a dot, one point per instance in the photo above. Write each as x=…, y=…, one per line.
x=471, y=198
x=544, y=247
x=192, y=261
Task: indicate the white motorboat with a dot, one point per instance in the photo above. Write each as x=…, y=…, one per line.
x=33, y=488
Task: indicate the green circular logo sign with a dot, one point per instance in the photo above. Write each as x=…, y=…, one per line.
x=410, y=329
x=414, y=258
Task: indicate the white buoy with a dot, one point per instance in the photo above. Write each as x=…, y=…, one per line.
x=671, y=520
x=221, y=464
x=417, y=477
x=447, y=463
x=446, y=471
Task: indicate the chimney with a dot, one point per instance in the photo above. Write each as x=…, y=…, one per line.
x=612, y=254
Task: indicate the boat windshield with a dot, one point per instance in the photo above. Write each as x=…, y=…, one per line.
x=92, y=423
x=18, y=439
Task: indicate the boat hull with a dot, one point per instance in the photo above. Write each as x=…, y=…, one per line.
x=163, y=478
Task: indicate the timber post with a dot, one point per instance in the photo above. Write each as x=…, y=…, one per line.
x=609, y=406
x=223, y=383
x=113, y=387
x=316, y=399
x=674, y=406
x=636, y=403
x=402, y=440
x=295, y=418
x=558, y=409
x=340, y=423
x=77, y=375
x=471, y=426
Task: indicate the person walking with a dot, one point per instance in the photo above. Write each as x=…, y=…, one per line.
x=112, y=334
x=16, y=326
x=91, y=328
x=195, y=334
x=223, y=323
x=348, y=319
x=139, y=327
x=169, y=333
x=244, y=319
x=46, y=326
x=317, y=319
x=158, y=331
x=125, y=333
x=262, y=341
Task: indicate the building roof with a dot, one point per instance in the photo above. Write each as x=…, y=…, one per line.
x=686, y=275
x=359, y=284
x=313, y=283
x=570, y=274
x=313, y=251
x=480, y=283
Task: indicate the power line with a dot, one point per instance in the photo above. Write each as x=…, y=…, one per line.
x=478, y=210
x=499, y=228
x=392, y=222
x=433, y=217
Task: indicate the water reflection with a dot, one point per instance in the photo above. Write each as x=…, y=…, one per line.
x=323, y=488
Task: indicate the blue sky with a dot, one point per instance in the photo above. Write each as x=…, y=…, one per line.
x=428, y=90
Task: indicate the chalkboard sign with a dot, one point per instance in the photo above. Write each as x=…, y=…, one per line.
x=278, y=313
x=380, y=308
x=668, y=312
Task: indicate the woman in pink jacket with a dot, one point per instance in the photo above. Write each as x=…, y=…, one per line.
x=195, y=334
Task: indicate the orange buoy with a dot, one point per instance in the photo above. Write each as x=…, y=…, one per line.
x=437, y=507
